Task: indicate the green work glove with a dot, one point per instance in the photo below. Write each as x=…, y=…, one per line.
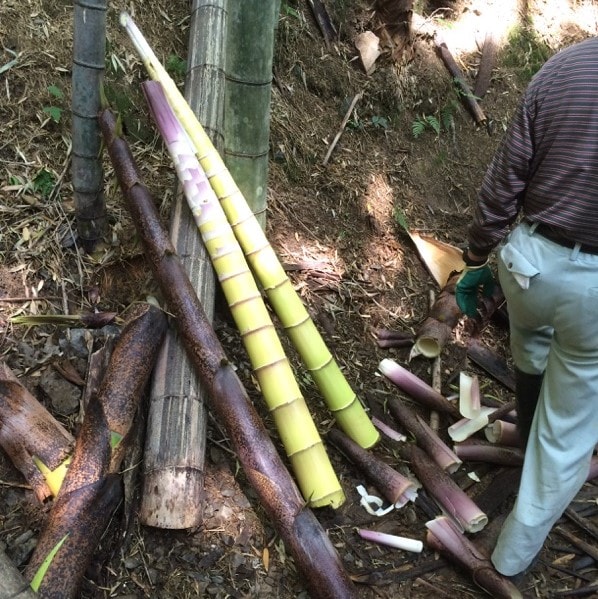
x=468, y=284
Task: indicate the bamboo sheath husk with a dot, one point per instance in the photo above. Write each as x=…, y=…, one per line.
x=314, y=555
x=91, y=488
x=89, y=56
x=337, y=393
x=30, y=435
x=174, y=454
x=274, y=374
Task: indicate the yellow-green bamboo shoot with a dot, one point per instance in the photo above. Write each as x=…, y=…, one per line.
x=336, y=391
x=300, y=437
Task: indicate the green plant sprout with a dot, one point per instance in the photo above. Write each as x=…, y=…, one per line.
x=54, y=112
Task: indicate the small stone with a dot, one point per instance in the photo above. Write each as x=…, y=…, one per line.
x=130, y=563
x=63, y=395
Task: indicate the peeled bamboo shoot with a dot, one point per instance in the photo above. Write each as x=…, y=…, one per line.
x=337, y=393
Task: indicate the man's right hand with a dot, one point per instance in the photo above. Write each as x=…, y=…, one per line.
x=469, y=283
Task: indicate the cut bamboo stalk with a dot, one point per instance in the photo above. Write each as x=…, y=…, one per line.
x=491, y=363
x=437, y=329
x=503, y=433
x=425, y=437
x=483, y=451
x=89, y=56
x=323, y=20
x=444, y=537
x=395, y=487
x=436, y=375
x=271, y=367
x=447, y=493
x=459, y=79
x=174, y=454
x=91, y=488
x=314, y=555
x=417, y=388
x=487, y=64
x=288, y=306
x=30, y=435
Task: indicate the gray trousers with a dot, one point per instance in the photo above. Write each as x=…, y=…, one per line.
x=552, y=297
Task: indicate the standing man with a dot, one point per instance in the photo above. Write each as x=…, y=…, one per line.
x=545, y=176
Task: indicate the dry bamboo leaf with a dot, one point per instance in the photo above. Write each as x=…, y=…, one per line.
x=368, y=46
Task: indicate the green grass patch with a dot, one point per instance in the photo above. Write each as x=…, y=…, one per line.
x=525, y=52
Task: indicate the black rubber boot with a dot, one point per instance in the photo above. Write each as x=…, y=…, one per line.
x=527, y=391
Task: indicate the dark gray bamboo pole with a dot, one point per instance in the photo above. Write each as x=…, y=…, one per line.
x=174, y=458
x=12, y=583
x=249, y=55
x=89, y=50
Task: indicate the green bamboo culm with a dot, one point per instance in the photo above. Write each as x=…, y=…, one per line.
x=299, y=435
x=249, y=51
x=89, y=52
x=337, y=393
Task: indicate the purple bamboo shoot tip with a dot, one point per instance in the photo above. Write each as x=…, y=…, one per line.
x=397, y=542
x=415, y=387
x=388, y=431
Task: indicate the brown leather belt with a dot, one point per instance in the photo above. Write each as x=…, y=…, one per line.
x=556, y=236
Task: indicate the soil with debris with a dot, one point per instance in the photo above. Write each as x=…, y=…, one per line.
x=338, y=227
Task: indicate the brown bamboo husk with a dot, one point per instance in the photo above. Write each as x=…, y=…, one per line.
x=27, y=429
x=425, y=437
x=441, y=259
x=437, y=329
x=174, y=455
x=392, y=484
x=447, y=493
x=91, y=489
x=314, y=555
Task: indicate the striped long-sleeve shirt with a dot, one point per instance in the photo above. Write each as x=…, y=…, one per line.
x=547, y=164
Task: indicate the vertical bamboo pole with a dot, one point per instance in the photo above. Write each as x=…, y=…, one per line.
x=174, y=458
x=89, y=49
x=249, y=51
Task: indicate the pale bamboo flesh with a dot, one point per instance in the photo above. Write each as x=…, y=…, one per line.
x=323, y=368
x=302, y=442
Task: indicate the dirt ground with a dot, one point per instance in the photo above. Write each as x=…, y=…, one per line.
x=337, y=228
